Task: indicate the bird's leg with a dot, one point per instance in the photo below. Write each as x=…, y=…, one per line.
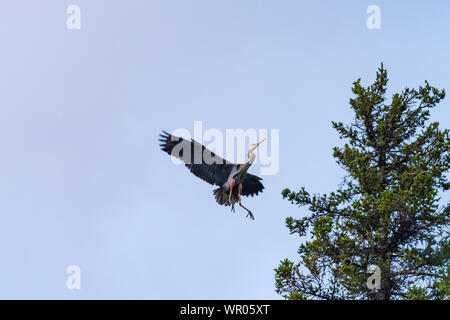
x=231, y=190
x=240, y=203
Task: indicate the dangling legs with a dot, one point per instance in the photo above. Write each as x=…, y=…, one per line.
x=231, y=191
x=248, y=211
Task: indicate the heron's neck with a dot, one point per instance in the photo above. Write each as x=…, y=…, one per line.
x=251, y=157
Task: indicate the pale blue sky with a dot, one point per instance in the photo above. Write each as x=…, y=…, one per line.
x=82, y=179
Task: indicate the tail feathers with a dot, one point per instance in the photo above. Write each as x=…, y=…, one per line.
x=222, y=197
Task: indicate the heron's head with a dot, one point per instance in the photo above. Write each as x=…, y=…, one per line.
x=254, y=146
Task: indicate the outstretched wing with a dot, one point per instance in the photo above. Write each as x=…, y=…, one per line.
x=251, y=185
x=201, y=161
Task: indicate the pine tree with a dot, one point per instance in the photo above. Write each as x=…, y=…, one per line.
x=388, y=211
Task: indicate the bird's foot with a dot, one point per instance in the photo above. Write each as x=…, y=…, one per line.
x=251, y=215
x=232, y=207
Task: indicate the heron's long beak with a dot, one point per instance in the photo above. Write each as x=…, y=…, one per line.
x=260, y=142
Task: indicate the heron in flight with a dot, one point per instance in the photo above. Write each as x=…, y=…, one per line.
x=232, y=178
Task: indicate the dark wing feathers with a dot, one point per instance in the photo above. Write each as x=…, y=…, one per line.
x=215, y=173
x=251, y=185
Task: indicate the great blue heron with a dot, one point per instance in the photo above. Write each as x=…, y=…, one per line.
x=232, y=178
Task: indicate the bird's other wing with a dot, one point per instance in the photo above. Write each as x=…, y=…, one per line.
x=251, y=185
x=201, y=161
